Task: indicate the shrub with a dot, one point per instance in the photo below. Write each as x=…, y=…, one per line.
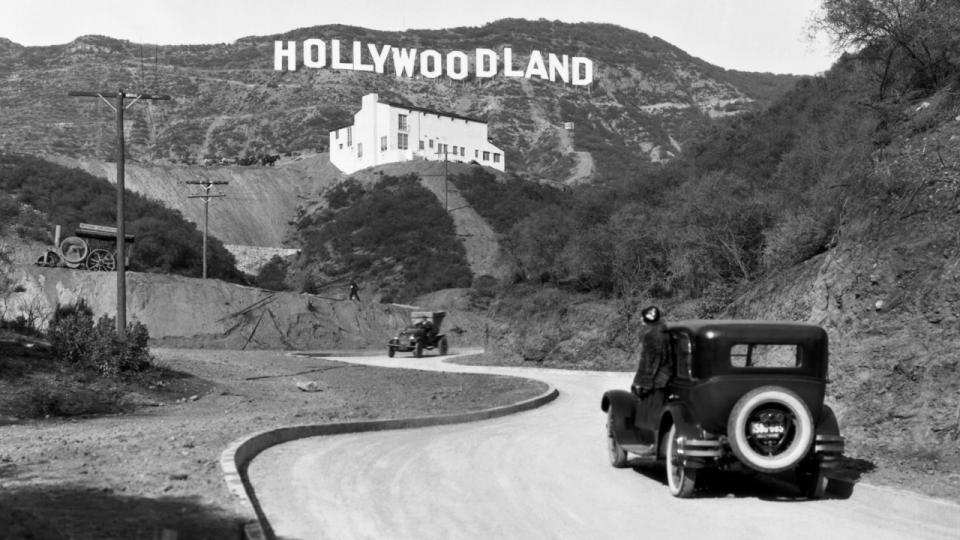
x=75, y=339
x=40, y=402
x=794, y=239
x=272, y=276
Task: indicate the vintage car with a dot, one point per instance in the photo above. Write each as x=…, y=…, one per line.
x=744, y=395
x=423, y=332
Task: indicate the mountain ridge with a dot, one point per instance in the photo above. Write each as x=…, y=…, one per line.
x=648, y=97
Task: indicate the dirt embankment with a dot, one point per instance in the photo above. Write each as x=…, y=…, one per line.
x=180, y=311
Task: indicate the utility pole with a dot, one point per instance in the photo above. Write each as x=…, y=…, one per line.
x=121, y=195
x=207, y=186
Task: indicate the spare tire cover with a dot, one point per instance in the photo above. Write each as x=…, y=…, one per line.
x=770, y=429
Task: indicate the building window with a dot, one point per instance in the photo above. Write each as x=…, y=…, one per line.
x=496, y=157
x=421, y=145
x=445, y=150
x=402, y=141
x=402, y=122
x=336, y=134
x=359, y=149
x=349, y=136
x=486, y=156
x=463, y=151
x=476, y=153
x=341, y=146
x=383, y=143
x=431, y=143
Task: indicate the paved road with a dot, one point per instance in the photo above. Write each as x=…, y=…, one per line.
x=544, y=474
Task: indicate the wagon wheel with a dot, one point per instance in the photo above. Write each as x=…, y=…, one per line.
x=49, y=259
x=74, y=251
x=101, y=260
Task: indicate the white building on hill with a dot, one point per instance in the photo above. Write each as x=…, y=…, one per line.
x=389, y=132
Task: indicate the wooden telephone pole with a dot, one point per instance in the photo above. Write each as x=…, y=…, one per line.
x=120, y=95
x=207, y=186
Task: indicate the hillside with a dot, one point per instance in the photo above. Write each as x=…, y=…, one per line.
x=258, y=201
x=648, y=100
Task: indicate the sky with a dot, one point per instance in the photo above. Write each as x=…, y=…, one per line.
x=749, y=35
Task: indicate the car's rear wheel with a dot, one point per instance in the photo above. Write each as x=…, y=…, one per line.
x=770, y=429
x=391, y=351
x=418, y=351
x=681, y=480
x=443, y=346
x=618, y=456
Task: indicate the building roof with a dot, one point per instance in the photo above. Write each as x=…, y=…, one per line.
x=431, y=111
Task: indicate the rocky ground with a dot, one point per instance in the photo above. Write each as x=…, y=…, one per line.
x=152, y=464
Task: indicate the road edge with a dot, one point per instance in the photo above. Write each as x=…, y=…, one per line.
x=238, y=455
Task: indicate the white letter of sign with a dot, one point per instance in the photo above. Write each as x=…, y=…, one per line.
x=535, y=66
x=508, y=64
x=454, y=58
x=314, y=53
x=379, y=57
x=403, y=61
x=428, y=71
x=289, y=52
x=335, y=61
x=587, y=77
x=358, y=58
x=491, y=68
x=559, y=67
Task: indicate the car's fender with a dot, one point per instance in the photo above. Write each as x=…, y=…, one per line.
x=828, y=424
x=622, y=402
x=622, y=405
x=676, y=413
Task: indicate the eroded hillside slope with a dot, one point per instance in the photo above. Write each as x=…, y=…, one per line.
x=258, y=202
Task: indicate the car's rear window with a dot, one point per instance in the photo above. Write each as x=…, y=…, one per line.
x=764, y=355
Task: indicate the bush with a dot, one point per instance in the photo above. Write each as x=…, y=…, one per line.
x=40, y=402
x=272, y=276
x=75, y=339
x=794, y=239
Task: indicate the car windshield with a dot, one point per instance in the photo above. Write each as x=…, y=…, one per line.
x=765, y=355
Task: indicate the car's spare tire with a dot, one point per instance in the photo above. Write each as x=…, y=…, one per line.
x=770, y=429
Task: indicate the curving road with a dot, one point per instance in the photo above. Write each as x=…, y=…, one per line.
x=544, y=474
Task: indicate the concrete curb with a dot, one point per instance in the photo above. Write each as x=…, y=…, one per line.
x=238, y=455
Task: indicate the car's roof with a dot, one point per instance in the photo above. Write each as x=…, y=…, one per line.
x=746, y=329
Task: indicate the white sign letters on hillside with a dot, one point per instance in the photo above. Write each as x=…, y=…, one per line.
x=428, y=63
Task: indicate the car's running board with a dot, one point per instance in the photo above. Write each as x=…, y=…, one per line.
x=641, y=451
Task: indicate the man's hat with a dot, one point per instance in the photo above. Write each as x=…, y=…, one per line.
x=650, y=314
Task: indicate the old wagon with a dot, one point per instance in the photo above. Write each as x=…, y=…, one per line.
x=93, y=247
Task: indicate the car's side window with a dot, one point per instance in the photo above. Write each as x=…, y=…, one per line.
x=763, y=355
x=683, y=352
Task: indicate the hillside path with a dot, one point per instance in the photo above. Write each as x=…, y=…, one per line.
x=479, y=239
x=584, y=160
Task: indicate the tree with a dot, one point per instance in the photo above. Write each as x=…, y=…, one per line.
x=919, y=38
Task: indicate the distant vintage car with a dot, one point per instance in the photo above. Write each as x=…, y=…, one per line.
x=423, y=332
x=745, y=394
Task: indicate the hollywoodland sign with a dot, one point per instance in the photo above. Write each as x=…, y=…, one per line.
x=428, y=63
